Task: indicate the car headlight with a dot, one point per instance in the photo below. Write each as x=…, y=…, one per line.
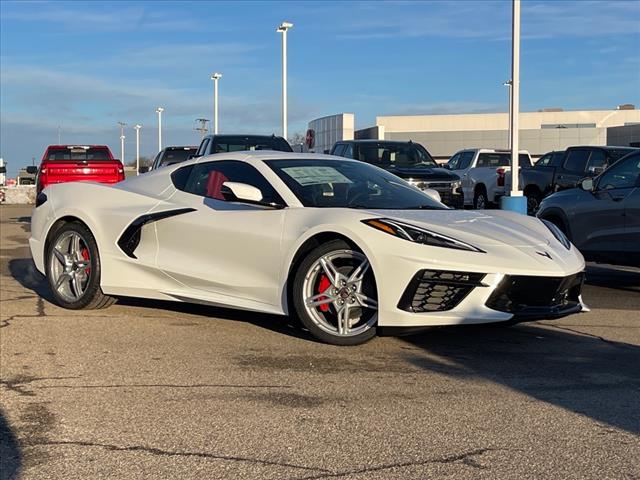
x=456, y=185
x=418, y=235
x=560, y=236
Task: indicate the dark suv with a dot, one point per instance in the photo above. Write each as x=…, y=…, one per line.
x=234, y=143
x=408, y=160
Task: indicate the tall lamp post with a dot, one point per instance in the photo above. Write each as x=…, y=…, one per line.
x=122, y=125
x=509, y=100
x=215, y=77
x=283, y=28
x=159, y=111
x=137, y=128
x=515, y=200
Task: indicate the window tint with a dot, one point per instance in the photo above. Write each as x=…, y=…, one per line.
x=597, y=160
x=453, y=161
x=239, y=144
x=206, y=180
x=348, y=151
x=202, y=150
x=544, y=160
x=495, y=160
x=465, y=160
x=176, y=156
x=180, y=177
x=617, y=153
x=394, y=155
x=78, y=154
x=622, y=175
x=576, y=160
x=339, y=149
x=556, y=159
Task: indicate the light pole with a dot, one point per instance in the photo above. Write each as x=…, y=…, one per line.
x=122, y=125
x=509, y=101
x=137, y=128
x=215, y=77
x=159, y=111
x=283, y=28
x=515, y=201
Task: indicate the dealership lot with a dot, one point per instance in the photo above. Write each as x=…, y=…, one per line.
x=148, y=389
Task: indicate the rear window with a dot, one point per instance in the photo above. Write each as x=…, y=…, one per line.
x=79, y=154
x=501, y=160
x=395, y=155
x=248, y=143
x=176, y=156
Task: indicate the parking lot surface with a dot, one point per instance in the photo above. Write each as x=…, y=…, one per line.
x=149, y=389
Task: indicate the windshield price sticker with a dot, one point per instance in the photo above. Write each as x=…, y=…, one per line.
x=315, y=175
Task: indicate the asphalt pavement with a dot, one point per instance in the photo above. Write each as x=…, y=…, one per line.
x=148, y=389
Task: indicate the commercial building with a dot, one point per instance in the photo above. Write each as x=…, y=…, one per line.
x=443, y=135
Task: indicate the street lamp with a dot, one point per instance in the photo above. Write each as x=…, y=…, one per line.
x=159, y=111
x=215, y=77
x=283, y=28
x=137, y=128
x=122, y=125
x=510, y=102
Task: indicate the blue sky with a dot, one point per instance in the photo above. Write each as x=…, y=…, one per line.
x=87, y=65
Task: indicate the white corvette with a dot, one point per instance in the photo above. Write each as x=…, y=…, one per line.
x=345, y=246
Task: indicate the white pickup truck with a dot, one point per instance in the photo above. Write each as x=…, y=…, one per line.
x=482, y=172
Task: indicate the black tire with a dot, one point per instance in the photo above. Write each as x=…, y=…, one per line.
x=534, y=197
x=92, y=297
x=299, y=296
x=480, y=200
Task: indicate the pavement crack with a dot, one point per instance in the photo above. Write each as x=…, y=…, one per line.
x=169, y=453
x=466, y=458
x=17, y=383
x=167, y=385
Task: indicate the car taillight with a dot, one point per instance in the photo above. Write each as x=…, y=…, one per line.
x=501, y=173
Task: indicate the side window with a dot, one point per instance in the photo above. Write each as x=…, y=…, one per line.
x=206, y=179
x=348, y=151
x=544, y=160
x=202, y=150
x=576, y=160
x=339, y=150
x=597, y=161
x=465, y=160
x=556, y=159
x=180, y=177
x=453, y=161
x=483, y=160
x=622, y=175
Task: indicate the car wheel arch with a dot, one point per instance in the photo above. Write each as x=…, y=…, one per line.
x=558, y=218
x=58, y=223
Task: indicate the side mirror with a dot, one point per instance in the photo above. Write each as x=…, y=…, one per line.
x=433, y=194
x=586, y=184
x=235, y=191
x=31, y=170
x=144, y=169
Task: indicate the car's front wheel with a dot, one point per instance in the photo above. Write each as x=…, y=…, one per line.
x=335, y=295
x=73, y=268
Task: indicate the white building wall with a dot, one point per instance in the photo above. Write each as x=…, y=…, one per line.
x=328, y=130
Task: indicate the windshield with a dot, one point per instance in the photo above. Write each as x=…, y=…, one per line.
x=176, y=156
x=349, y=184
x=389, y=155
x=78, y=154
x=238, y=144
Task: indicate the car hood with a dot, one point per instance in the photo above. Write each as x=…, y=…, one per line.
x=479, y=228
x=424, y=173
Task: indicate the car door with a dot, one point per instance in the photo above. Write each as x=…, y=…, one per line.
x=573, y=169
x=230, y=250
x=608, y=221
x=463, y=169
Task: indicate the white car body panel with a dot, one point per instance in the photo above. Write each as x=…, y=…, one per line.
x=239, y=255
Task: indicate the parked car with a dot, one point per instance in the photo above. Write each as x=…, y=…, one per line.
x=408, y=160
x=345, y=246
x=72, y=163
x=212, y=144
x=562, y=171
x=482, y=172
x=602, y=216
x=171, y=155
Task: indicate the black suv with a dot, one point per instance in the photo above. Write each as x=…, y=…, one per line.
x=235, y=143
x=408, y=160
x=171, y=155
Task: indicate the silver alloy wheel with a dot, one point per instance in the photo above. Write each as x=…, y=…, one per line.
x=70, y=266
x=353, y=310
x=480, y=203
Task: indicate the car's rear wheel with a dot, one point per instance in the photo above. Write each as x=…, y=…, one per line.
x=480, y=200
x=534, y=198
x=73, y=268
x=335, y=295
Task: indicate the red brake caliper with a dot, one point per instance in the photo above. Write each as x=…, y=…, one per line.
x=322, y=286
x=85, y=256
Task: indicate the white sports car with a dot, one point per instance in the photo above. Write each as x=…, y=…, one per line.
x=343, y=245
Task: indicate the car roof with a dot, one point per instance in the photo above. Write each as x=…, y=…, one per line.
x=490, y=150
x=373, y=140
x=185, y=147
x=240, y=135
x=253, y=156
x=74, y=145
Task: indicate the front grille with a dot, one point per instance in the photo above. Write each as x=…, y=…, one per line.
x=438, y=290
x=521, y=294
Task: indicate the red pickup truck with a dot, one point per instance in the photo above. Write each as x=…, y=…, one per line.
x=73, y=163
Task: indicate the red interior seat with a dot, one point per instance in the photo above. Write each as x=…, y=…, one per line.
x=214, y=184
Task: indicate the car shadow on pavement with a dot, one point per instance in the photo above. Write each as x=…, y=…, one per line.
x=608, y=276
x=579, y=372
x=24, y=271
x=10, y=454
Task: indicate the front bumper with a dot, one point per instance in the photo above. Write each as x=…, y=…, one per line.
x=450, y=195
